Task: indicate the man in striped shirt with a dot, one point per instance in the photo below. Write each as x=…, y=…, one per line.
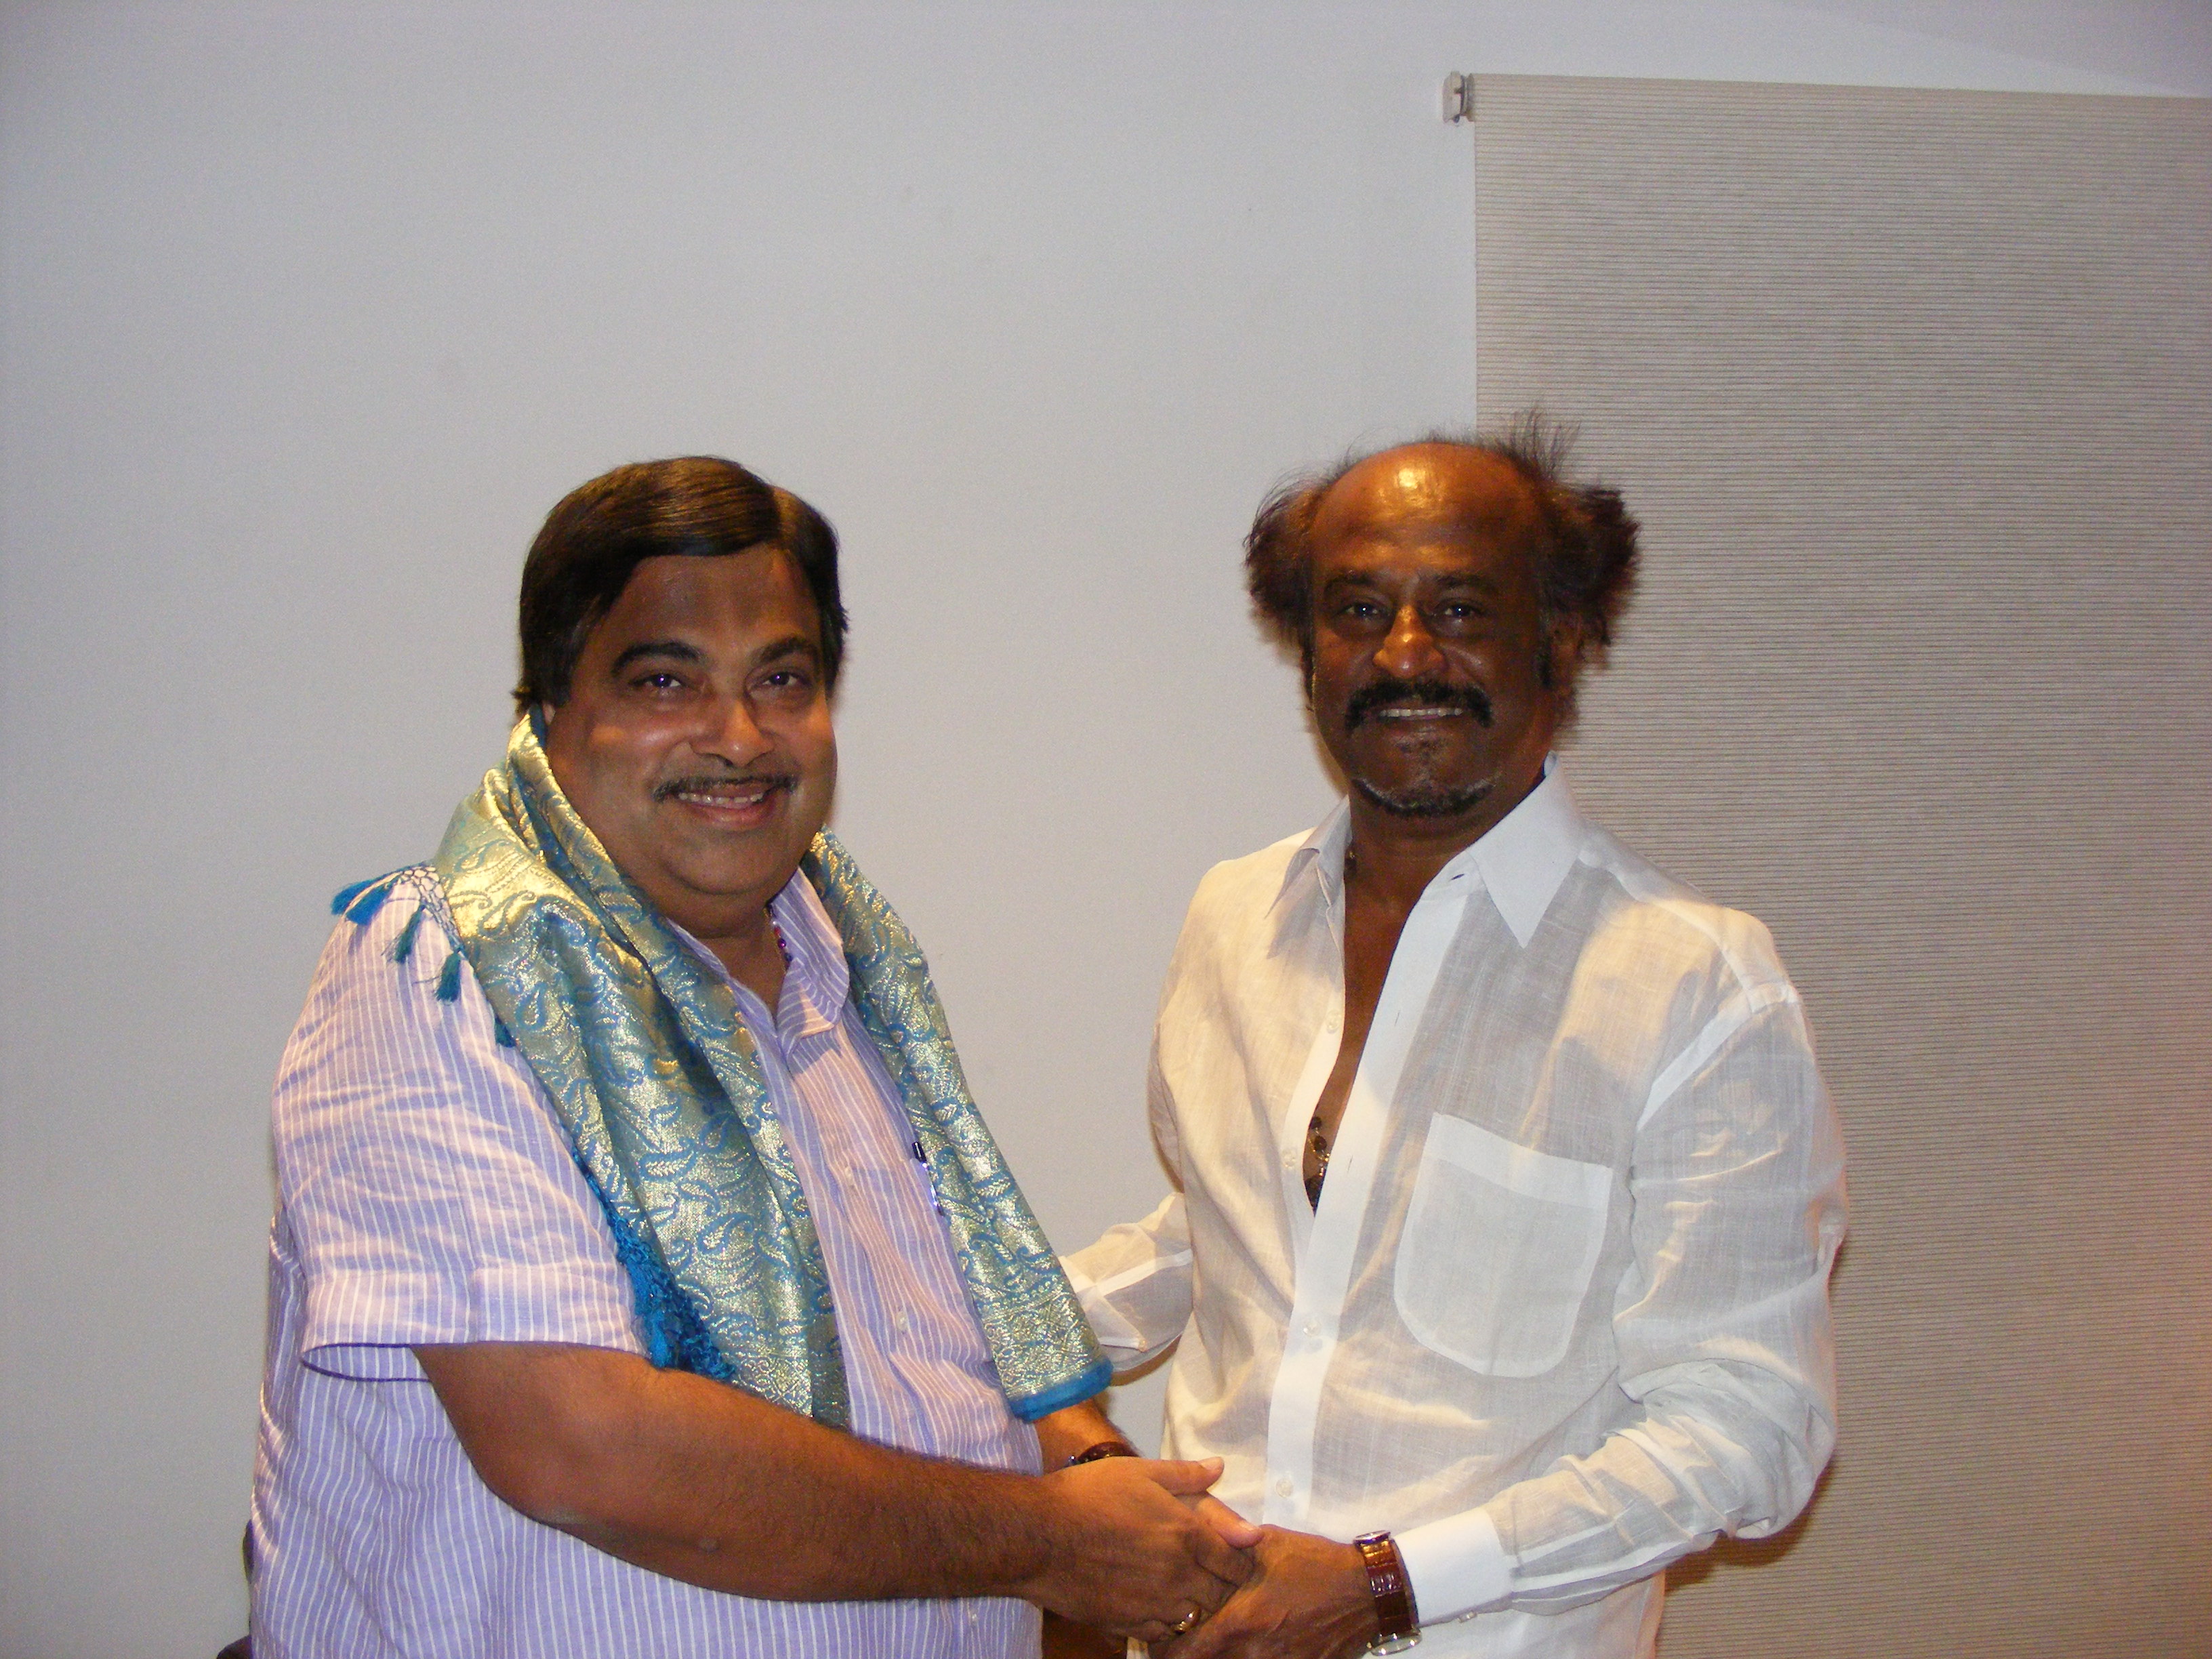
x=466, y=1449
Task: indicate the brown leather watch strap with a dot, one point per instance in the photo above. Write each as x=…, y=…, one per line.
x=1104, y=1449
x=1400, y=1620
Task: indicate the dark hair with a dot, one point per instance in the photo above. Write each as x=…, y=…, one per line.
x=1585, y=560
x=696, y=505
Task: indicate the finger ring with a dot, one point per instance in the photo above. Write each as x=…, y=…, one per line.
x=1189, y=1622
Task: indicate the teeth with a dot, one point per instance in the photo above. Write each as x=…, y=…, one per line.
x=1413, y=714
x=724, y=798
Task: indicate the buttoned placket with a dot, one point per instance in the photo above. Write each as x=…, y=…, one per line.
x=1324, y=1239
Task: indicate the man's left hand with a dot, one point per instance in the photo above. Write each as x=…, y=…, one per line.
x=1309, y=1600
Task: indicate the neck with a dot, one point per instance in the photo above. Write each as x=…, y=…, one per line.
x=1394, y=858
x=747, y=944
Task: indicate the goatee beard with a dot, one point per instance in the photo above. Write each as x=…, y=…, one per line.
x=1426, y=799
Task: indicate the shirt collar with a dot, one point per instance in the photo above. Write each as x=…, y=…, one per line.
x=816, y=951
x=1320, y=859
x=1520, y=860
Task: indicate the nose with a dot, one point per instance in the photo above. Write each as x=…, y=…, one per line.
x=731, y=731
x=1409, y=651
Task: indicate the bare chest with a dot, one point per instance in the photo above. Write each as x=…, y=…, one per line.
x=1371, y=940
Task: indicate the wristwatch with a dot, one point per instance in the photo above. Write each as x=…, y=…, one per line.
x=1104, y=1449
x=1393, y=1591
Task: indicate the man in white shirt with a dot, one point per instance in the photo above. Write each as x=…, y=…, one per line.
x=1506, y=1189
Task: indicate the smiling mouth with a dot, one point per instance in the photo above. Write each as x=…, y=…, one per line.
x=1416, y=700
x=725, y=794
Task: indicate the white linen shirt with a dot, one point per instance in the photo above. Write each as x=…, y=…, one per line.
x=1561, y=1315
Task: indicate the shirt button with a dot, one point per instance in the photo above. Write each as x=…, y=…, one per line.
x=899, y=1319
x=1283, y=1487
x=1312, y=1327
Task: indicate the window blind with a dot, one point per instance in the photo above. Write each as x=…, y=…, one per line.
x=1912, y=391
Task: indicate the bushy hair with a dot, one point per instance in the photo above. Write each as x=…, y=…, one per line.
x=1585, y=556
x=696, y=505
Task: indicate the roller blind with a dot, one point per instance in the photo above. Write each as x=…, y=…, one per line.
x=1913, y=393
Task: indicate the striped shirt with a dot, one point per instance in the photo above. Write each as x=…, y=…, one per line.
x=426, y=1194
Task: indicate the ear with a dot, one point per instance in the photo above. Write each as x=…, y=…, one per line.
x=1561, y=658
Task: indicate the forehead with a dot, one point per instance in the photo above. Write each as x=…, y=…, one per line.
x=740, y=597
x=1435, y=503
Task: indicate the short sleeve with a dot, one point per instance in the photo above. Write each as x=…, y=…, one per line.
x=427, y=1190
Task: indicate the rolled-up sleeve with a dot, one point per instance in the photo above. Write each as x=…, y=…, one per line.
x=1722, y=1326
x=1135, y=1282
x=427, y=1192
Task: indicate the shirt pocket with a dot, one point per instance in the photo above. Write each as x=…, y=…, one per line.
x=1499, y=1244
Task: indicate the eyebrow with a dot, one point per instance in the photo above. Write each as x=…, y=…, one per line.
x=1456, y=581
x=792, y=645
x=675, y=649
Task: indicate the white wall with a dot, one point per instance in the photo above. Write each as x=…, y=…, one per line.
x=310, y=313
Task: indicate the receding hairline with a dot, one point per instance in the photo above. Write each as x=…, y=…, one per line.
x=1463, y=470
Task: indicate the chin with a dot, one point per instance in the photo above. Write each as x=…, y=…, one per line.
x=1425, y=798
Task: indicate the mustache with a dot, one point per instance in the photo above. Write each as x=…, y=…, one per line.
x=783, y=781
x=1423, y=694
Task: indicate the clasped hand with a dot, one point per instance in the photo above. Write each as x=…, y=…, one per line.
x=1308, y=1599
x=1146, y=1550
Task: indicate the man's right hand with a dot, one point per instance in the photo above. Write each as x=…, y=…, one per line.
x=705, y=1483
x=1129, y=1550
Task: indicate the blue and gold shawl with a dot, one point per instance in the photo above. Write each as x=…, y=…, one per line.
x=660, y=1090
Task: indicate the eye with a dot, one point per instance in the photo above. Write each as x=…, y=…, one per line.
x=660, y=680
x=785, y=679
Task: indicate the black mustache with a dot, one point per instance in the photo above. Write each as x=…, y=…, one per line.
x=678, y=786
x=1420, y=694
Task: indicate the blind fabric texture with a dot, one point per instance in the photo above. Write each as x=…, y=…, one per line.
x=1912, y=391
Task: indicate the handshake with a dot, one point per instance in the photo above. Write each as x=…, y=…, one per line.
x=701, y=1482
x=1136, y=1547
